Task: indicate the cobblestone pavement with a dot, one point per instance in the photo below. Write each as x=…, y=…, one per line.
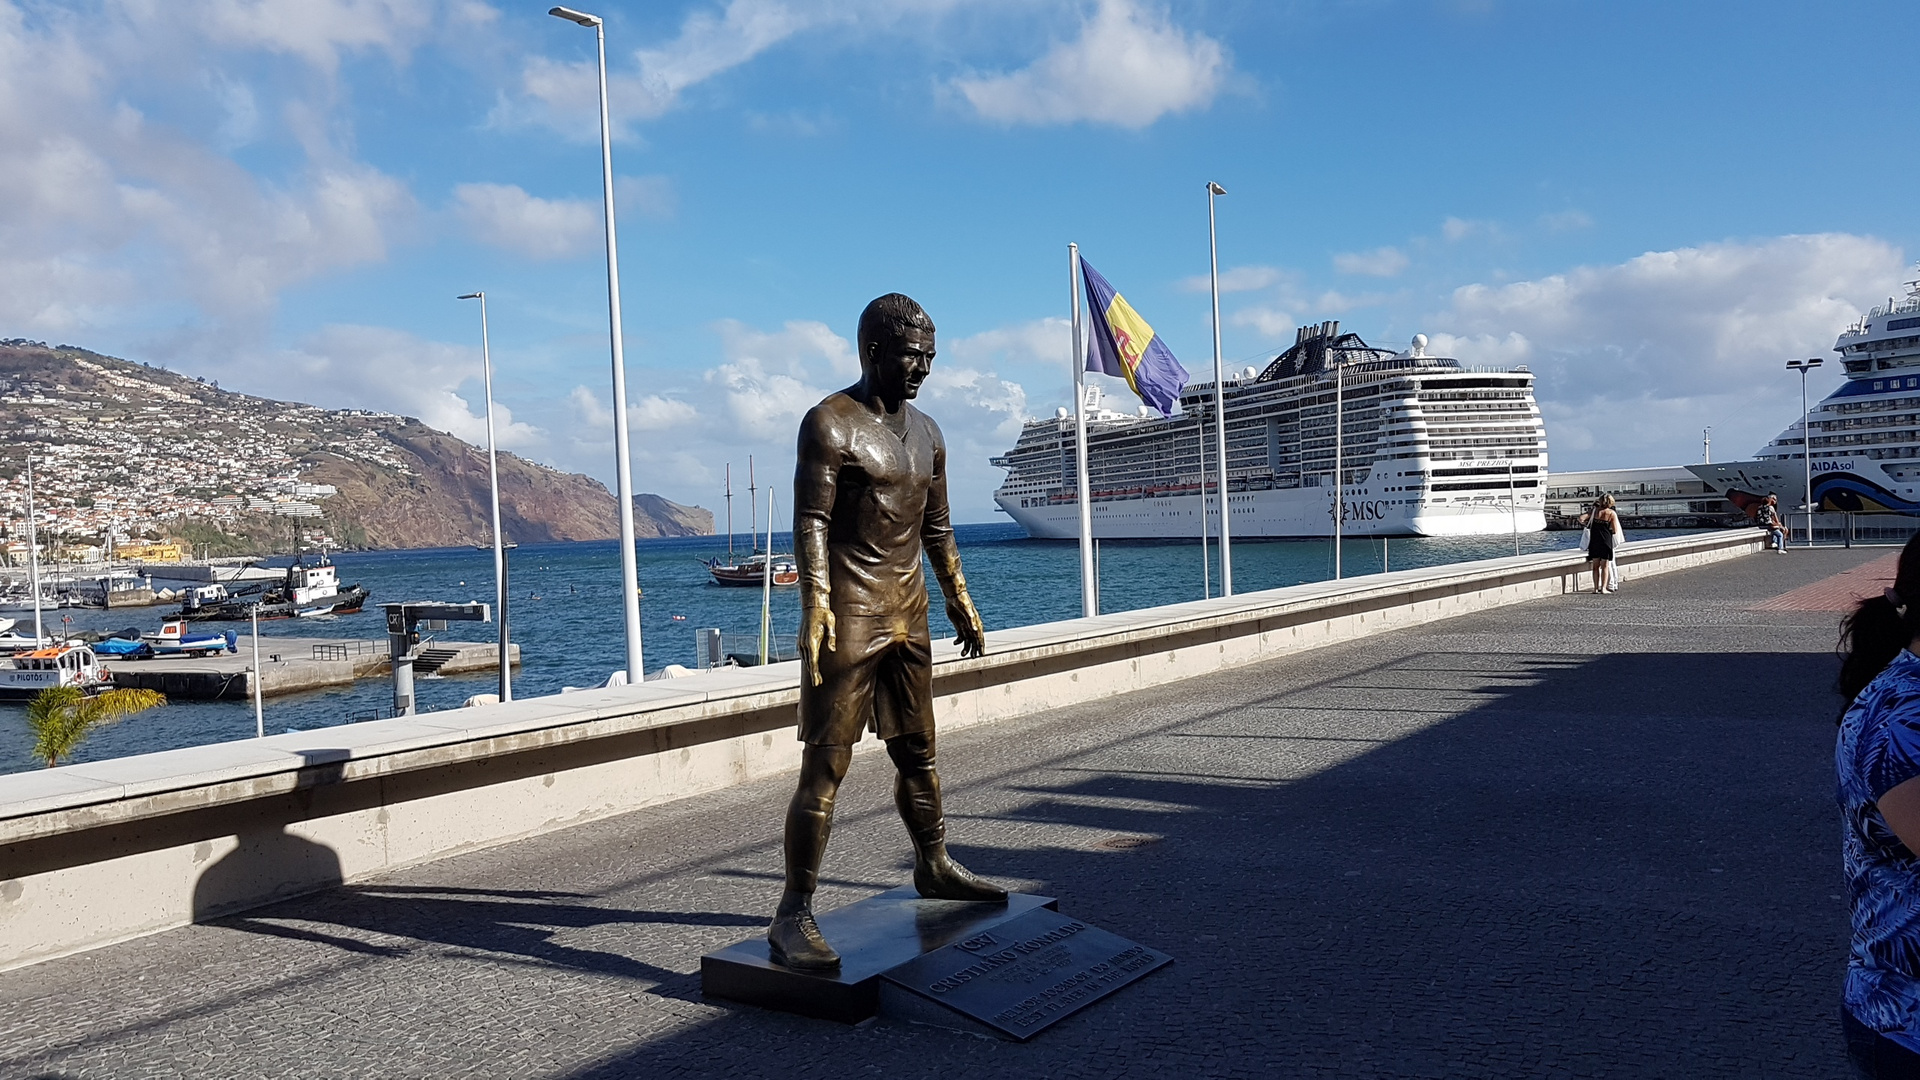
x=1583, y=836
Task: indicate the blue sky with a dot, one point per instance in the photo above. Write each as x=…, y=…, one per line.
x=1653, y=205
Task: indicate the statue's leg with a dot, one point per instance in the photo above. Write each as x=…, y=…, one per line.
x=794, y=938
x=917, y=793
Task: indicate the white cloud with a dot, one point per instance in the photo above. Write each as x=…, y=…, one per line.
x=1268, y=320
x=749, y=401
x=646, y=196
x=1457, y=229
x=566, y=94
x=1041, y=343
x=320, y=31
x=649, y=414
x=1129, y=67
x=792, y=349
x=1482, y=349
x=1380, y=262
x=1639, y=355
x=1234, y=279
x=505, y=216
x=1566, y=221
x=109, y=218
x=376, y=367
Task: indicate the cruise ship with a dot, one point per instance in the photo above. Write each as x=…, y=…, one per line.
x=1429, y=447
x=1864, y=447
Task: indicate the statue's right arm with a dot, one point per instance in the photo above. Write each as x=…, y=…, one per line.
x=815, y=476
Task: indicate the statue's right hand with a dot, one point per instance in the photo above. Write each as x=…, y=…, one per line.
x=816, y=627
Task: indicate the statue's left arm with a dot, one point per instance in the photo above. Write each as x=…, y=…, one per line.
x=936, y=536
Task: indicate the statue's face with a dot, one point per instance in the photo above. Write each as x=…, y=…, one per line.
x=900, y=364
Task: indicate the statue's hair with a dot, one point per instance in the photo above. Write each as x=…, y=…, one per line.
x=890, y=316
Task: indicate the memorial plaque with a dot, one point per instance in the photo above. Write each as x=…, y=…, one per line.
x=1019, y=977
x=874, y=936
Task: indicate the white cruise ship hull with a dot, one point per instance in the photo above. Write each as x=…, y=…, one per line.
x=1285, y=514
x=1859, y=484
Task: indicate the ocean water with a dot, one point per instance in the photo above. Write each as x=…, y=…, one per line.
x=566, y=613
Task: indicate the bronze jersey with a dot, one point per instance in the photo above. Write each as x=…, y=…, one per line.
x=866, y=502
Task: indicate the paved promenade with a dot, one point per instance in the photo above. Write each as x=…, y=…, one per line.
x=1585, y=836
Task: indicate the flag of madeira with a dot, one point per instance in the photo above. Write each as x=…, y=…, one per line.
x=1121, y=344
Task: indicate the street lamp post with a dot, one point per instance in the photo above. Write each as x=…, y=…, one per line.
x=1806, y=435
x=1219, y=405
x=493, y=482
x=623, y=468
x=259, y=713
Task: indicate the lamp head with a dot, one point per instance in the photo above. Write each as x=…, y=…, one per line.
x=472, y=296
x=571, y=15
x=1215, y=189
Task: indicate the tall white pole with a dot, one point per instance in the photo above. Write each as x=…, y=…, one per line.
x=1339, y=485
x=1089, y=582
x=1806, y=451
x=1206, y=567
x=493, y=482
x=766, y=586
x=623, y=464
x=33, y=554
x=1219, y=405
x=1513, y=507
x=259, y=713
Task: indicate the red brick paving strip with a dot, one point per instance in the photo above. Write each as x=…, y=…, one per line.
x=1839, y=592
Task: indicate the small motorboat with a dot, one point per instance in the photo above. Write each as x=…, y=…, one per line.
x=125, y=646
x=174, y=639
x=58, y=665
x=14, y=643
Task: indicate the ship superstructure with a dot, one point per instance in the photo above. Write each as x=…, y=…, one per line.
x=1428, y=447
x=1863, y=446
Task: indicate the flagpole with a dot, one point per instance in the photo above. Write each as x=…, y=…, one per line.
x=1089, y=585
x=1339, y=486
x=1219, y=405
x=1206, y=563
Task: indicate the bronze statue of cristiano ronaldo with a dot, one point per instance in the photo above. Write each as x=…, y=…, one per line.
x=870, y=493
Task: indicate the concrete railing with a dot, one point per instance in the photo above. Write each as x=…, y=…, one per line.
x=101, y=852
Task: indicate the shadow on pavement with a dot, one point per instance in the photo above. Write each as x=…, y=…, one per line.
x=515, y=922
x=1622, y=864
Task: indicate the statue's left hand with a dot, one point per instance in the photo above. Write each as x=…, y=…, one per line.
x=969, y=634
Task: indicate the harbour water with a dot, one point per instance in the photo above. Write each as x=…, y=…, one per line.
x=566, y=613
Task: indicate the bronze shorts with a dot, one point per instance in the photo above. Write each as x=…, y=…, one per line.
x=879, y=679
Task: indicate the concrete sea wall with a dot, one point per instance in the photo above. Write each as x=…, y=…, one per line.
x=102, y=852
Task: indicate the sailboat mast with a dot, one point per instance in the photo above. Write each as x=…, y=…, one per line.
x=753, y=521
x=729, y=513
x=33, y=553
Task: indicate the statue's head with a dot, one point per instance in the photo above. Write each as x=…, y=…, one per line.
x=896, y=346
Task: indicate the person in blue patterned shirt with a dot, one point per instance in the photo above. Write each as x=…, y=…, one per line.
x=1877, y=759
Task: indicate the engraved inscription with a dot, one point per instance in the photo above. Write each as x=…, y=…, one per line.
x=1071, y=992
x=1025, y=974
x=992, y=961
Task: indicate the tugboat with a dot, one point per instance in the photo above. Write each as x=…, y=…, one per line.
x=58, y=665
x=309, y=589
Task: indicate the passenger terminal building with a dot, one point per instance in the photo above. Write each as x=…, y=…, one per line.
x=1668, y=497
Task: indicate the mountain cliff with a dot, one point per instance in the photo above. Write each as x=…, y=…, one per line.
x=138, y=450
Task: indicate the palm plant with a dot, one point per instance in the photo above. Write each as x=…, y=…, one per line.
x=61, y=717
